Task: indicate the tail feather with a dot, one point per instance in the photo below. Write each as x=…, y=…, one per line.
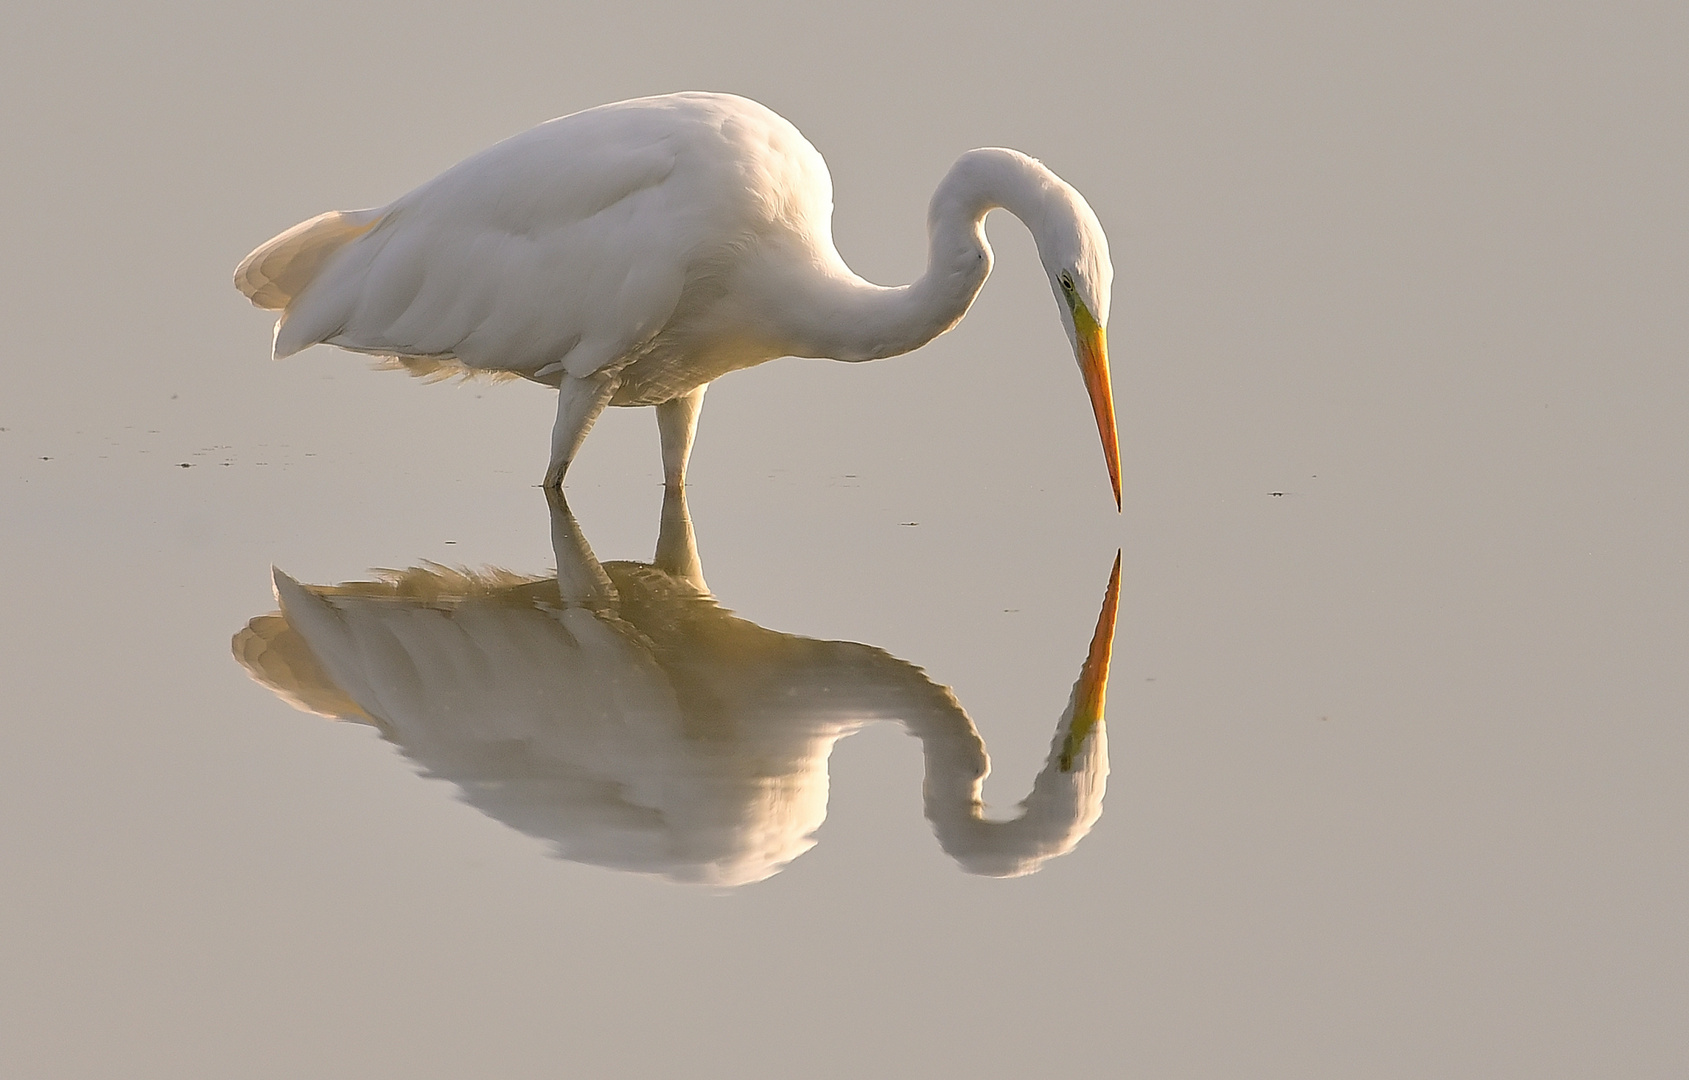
x=275, y=654
x=280, y=269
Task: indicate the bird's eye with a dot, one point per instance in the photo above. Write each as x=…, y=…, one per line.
x=1067, y=282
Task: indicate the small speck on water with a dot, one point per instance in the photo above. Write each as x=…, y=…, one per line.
x=185, y=465
x=1278, y=494
x=908, y=523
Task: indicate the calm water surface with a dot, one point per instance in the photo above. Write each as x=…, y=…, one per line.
x=1395, y=712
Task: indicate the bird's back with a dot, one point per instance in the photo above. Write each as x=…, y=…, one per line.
x=567, y=248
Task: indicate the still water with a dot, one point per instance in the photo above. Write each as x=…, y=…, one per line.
x=331, y=747
x=621, y=714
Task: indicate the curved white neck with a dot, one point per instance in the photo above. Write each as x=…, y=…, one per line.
x=844, y=317
x=1065, y=801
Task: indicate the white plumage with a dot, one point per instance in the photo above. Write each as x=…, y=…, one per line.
x=632, y=253
x=620, y=714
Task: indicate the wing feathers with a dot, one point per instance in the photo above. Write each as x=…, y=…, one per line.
x=569, y=245
x=275, y=273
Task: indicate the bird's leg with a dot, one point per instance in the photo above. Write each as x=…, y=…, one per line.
x=580, y=579
x=677, y=422
x=579, y=401
x=677, y=546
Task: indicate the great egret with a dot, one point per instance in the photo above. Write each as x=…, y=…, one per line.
x=631, y=253
x=617, y=712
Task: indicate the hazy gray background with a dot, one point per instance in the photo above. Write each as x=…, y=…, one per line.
x=1398, y=754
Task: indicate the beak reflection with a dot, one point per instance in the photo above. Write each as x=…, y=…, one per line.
x=619, y=713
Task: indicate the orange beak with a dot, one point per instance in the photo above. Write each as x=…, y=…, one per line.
x=1089, y=693
x=1093, y=364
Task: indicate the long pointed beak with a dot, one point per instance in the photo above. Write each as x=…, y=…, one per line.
x=1090, y=691
x=1093, y=364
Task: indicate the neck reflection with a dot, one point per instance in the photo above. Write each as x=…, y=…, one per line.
x=619, y=713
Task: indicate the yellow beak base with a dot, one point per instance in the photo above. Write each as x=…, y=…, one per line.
x=1089, y=693
x=1093, y=364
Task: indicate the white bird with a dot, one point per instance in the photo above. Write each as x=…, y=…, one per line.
x=618, y=713
x=632, y=253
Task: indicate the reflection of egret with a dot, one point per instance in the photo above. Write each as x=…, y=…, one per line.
x=632, y=253
x=620, y=713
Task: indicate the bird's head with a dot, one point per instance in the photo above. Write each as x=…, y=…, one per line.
x=1074, y=251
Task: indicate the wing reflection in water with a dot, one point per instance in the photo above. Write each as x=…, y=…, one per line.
x=619, y=713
